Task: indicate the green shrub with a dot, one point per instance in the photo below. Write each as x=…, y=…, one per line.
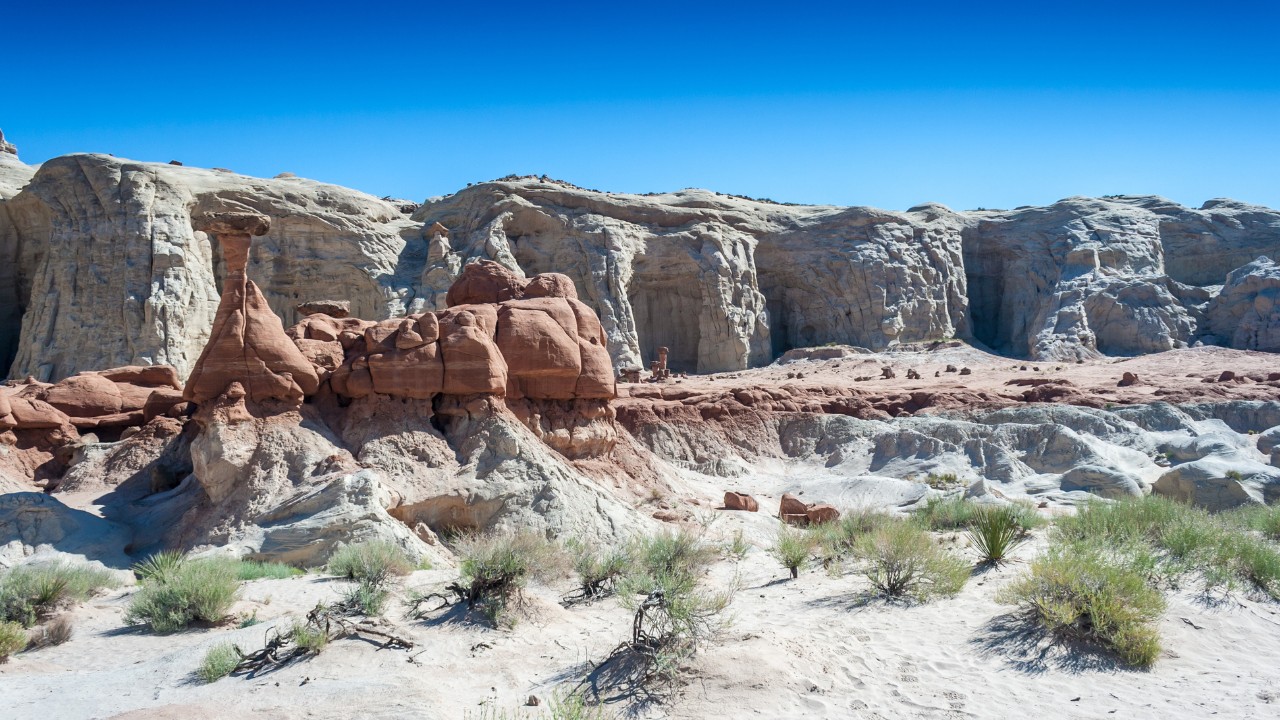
x=29, y=593
x=496, y=568
x=218, y=662
x=738, y=546
x=1080, y=590
x=598, y=569
x=13, y=638
x=364, y=598
x=309, y=638
x=903, y=561
x=375, y=561
x=1262, y=518
x=995, y=532
x=254, y=570
x=673, y=553
x=672, y=614
x=1165, y=538
x=943, y=481
x=198, y=590
x=947, y=513
x=160, y=566
x=836, y=541
x=793, y=549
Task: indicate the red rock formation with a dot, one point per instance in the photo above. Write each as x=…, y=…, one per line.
x=501, y=335
x=795, y=512
x=248, y=344
x=112, y=398
x=740, y=501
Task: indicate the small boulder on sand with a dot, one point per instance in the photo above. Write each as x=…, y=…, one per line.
x=740, y=501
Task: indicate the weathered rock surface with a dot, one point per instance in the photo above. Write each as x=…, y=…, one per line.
x=1246, y=314
x=109, y=271
x=724, y=282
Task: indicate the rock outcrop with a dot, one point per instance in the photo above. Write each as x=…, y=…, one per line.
x=1246, y=314
x=724, y=282
x=108, y=271
x=248, y=344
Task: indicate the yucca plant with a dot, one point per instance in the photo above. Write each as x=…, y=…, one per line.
x=160, y=567
x=995, y=532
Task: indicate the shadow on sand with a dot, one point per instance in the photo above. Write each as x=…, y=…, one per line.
x=1026, y=646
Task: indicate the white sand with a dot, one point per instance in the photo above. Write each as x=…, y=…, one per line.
x=806, y=648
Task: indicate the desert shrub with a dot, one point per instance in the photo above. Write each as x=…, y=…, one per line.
x=836, y=541
x=1083, y=591
x=375, y=561
x=496, y=568
x=308, y=637
x=792, y=549
x=672, y=614
x=29, y=593
x=943, y=481
x=1027, y=514
x=13, y=638
x=366, y=597
x=197, y=590
x=902, y=560
x=1254, y=560
x=1166, y=539
x=1262, y=518
x=55, y=632
x=254, y=570
x=738, y=546
x=597, y=569
x=947, y=513
x=1120, y=522
x=995, y=532
x=160, y=566
x=218, y=662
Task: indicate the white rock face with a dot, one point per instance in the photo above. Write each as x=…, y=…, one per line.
x=724, y=282
x=106, y=270
x=1246, y=314
x=14, y=174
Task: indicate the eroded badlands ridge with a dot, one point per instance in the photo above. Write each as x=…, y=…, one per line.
x=104, y=268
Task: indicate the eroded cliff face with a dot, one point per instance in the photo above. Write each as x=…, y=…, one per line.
x=107, y=271
x=110, y=272
x=14, y=174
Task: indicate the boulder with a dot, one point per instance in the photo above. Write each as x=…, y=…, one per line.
x=1102, y=481
x=1268, y=440
x=485, y=282
x=332, y=308
x=819, y=514
x=740, y=501
x=1216, y=483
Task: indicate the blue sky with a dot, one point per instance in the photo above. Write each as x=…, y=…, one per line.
x=886, y=104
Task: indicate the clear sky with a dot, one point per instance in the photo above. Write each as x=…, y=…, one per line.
x=888, y=104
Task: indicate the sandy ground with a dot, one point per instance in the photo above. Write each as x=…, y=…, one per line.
x=814, y=647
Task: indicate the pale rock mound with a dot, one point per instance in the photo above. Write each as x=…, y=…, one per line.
x=1246, y=314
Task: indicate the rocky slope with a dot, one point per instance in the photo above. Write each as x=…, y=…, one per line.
x=724, y=282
